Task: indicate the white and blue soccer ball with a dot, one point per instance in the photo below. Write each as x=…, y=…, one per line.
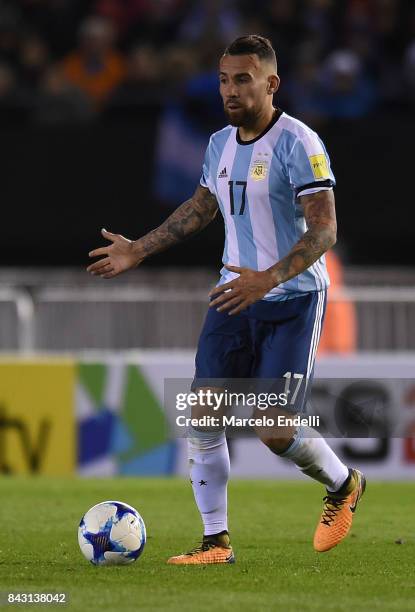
x=112, y=533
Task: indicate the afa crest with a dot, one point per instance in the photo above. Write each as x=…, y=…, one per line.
x=259, y=170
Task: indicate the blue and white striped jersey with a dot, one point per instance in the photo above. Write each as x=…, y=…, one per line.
x=257, y=185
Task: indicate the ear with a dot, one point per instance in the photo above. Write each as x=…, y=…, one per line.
x=273, y=84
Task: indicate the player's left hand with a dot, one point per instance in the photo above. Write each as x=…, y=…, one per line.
x=238, y=294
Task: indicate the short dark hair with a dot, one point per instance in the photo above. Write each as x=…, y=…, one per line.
x=252, y=43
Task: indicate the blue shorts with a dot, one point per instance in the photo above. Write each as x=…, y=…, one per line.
x=266, y=340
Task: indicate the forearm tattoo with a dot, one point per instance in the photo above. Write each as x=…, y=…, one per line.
x=189, y=219
x=320, y=216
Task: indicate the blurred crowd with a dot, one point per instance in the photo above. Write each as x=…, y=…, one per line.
x=71, y=61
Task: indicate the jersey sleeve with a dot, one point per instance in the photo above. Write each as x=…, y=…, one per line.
x=205, y=179
x=308, y=166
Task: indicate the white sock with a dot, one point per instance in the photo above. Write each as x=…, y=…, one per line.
x=314, y=457
x=209, y=473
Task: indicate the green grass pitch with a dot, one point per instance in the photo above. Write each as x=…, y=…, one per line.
x=272, y=525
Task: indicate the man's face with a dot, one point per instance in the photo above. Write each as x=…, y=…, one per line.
x=245, y=82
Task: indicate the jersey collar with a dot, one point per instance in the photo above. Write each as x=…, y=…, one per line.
x=277, y=115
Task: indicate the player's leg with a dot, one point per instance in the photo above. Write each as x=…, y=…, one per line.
x=224, y=352
x=286, y=338
x=292, y=349
x=209, y=474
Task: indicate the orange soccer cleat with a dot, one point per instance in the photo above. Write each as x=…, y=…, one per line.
x=337, y=516
x=213, y=549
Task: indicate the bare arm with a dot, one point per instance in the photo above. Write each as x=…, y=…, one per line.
x=320, y=216
x=122, y=254
x=251, y=286
x=189, y=219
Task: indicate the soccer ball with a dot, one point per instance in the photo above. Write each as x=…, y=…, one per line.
x=112, y=533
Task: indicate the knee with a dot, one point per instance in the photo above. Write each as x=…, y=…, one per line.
x=277, y=443
x=200, y=441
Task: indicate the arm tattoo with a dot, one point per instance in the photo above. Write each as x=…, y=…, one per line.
x=320, y=216
x=189, y=219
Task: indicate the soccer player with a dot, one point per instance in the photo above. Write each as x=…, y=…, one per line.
x=270, y=177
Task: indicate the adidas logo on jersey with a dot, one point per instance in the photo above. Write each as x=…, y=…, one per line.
x=223, y=173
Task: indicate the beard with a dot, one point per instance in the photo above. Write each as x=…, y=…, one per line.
x=241, y=117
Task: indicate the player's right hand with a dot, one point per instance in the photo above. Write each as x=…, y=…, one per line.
x=118, y=257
